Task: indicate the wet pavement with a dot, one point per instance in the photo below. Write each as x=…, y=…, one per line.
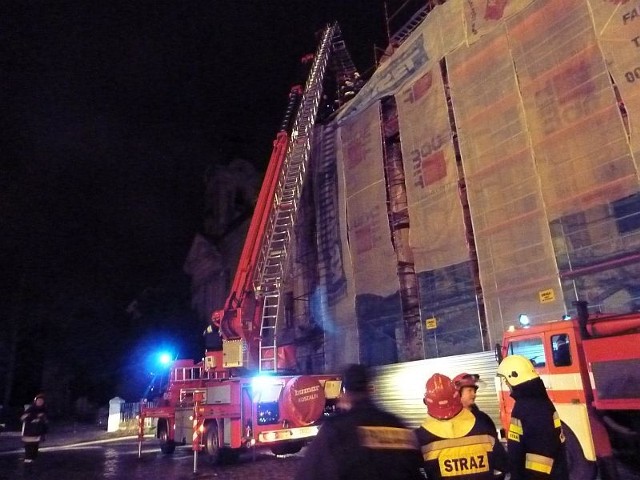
x=85, y=452
x=82, y=453
x=119, y=461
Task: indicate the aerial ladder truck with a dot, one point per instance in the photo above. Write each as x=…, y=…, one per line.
x=247, y=394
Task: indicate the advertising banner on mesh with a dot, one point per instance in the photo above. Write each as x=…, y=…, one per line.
x=441, y=32
x=579, y=142
x=509, y=222
x=437, y=233
x=373, y=258
x=617, y=28
x=333, y=304
x=482, y=16
x=329, y=214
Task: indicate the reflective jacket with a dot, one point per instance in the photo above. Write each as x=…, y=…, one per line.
x=34, y=423
x=535, y=441
x=364, y=443
x=463, y=447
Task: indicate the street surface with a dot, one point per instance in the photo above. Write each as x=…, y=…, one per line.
x=118, y=460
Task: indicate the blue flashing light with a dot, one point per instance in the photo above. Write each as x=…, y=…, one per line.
x=566, y=317
x=165, y=358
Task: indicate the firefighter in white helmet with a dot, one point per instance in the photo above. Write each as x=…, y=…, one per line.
x=454, y=442
x=535, y=441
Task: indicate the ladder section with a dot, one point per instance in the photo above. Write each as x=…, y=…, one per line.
x=273, y=253
x=268, y=352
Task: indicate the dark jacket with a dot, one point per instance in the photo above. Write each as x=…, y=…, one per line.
x=535, y=440
x=465, y=447
x=364, y=443
x=500, y=460
x=34, y=423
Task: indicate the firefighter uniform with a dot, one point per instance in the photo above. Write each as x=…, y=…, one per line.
x=535, y=441
x=455, y=443
x=364, y=442
x=34, y=427
x=466, y=383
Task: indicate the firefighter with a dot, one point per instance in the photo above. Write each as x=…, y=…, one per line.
x=535, y=441
x=362, y=441
x=454, y=442
x=467, y=386
x=34, y=427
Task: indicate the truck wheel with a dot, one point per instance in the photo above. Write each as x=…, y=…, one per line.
x=288, y=448
x=167, y=446
x=212, y=442
x=579, y=467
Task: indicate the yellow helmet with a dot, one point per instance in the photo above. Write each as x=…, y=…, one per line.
x=516, y=369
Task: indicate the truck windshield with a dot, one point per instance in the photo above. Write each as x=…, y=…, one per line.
x=530, y=348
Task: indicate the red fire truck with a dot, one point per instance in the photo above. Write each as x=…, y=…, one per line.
x=591, y=368
x=246, y=394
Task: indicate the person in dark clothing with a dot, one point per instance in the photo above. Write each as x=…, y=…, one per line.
x=454, y=442
x=535, y=441
x=34, y=427
x=467, y=386
x=363, y=441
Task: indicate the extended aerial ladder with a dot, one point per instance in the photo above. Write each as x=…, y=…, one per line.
x=255, y=296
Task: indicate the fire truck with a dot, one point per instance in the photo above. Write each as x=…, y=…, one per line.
x=590, y=366
x=247, y=394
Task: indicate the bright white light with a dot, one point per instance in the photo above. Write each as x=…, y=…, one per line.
x=266, y=388
x=165, y=358
x=524, y=320
x=261, y=382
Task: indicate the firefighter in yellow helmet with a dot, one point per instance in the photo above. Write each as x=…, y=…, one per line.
x=535, y=441
x=454, y=442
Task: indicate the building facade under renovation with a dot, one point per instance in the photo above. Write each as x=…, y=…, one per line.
x=488, y=168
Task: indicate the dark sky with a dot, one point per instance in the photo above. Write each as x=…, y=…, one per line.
x=112, y=110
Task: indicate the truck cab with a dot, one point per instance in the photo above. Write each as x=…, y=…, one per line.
x=590, y=367
x=555, y=350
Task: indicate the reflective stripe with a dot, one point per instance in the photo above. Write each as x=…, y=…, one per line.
x=387, y=438
x=515, y=430
x=556, y=420
x=516, y=426
x=538, y=463
x=432, y=450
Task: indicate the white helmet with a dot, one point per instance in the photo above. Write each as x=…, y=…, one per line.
x=516, y=369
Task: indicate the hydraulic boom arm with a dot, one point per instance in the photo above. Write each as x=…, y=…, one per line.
x=252, y=309
x=228, y=319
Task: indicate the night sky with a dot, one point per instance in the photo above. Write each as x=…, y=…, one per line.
x=111, y=113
